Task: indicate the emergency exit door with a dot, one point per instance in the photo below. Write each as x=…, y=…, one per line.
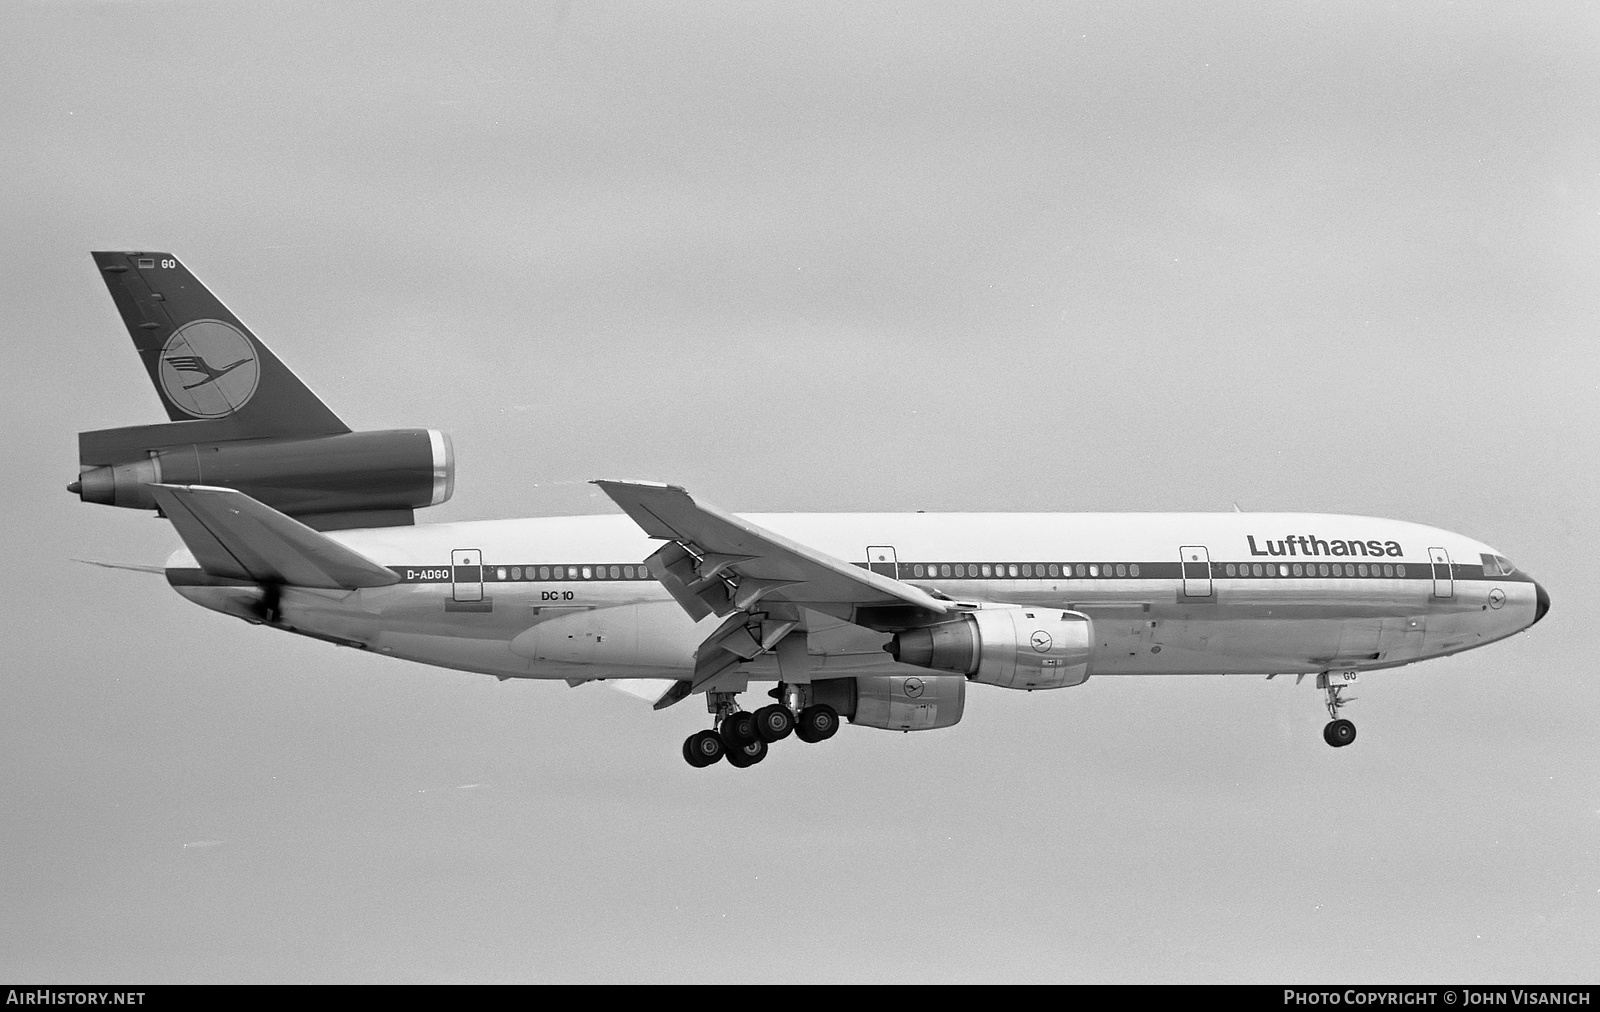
x=466, y=574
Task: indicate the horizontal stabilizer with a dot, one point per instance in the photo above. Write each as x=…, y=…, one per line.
x=235, y=537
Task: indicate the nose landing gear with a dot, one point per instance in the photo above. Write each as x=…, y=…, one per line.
x=1339, y=732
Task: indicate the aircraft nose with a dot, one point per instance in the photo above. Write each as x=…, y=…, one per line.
x=1541, y=601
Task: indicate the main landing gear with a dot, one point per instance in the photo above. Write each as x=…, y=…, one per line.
x=743, y=737
x=1338, y=732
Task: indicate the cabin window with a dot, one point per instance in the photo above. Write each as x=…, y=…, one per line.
x=1122, y=570
x=1094, y=570
x=1055, y=570
x=1133, y=569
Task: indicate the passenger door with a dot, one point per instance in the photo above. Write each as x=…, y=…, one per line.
x=1196, y=570
x=1443, y=584
x=881, y=559
x=466, y=574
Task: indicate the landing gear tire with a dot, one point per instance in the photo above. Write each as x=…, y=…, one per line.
x=817, y=723
x=703, y=748
x=738, y=729
x=773, y=723
x=747, y=755
x=1339, y=733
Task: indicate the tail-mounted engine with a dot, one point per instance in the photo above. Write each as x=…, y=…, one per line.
x=1018, y=647
x=352, y=479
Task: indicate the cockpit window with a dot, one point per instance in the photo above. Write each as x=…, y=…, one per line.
x=1497, y=565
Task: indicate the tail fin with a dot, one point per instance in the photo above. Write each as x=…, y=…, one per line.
x=205, y=364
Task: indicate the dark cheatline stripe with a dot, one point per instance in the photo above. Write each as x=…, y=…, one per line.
x=590, y=572
x=1040, y=571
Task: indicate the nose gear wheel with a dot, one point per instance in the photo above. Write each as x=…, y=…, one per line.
x=1339, y=733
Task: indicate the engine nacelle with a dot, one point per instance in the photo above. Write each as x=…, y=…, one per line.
x=349, y=479
x=1018, y=647
x=895, y=702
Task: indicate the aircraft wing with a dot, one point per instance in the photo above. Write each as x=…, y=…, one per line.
x=233, y=536
x=725, y=564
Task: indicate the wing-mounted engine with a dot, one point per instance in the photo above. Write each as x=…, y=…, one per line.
x=895, y=702
x=1018, y=647
x=759, y=582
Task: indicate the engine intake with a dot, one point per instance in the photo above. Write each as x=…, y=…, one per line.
x=1018, y=647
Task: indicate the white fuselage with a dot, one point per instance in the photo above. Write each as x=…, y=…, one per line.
x=1168, y=593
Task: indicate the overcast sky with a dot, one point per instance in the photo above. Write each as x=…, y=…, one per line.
x=1339, y=258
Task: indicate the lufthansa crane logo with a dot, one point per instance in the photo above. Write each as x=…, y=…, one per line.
x=914, y=687
x=209, y=369
x=1497, y=597
x=1041, y=641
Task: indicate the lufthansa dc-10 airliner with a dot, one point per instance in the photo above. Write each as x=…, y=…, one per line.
x=291, y=520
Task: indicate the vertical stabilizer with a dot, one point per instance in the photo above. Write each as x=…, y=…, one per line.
x=206, y=365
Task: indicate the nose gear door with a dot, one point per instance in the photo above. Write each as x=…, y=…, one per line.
x=1443, y=584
